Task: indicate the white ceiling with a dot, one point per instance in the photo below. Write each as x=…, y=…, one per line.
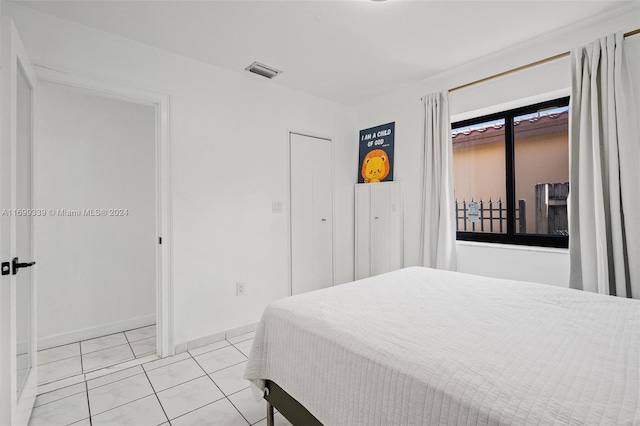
x=346, y=51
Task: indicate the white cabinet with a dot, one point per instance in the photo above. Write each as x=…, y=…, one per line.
x=379, y=246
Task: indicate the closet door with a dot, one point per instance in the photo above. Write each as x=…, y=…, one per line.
x=311, y=213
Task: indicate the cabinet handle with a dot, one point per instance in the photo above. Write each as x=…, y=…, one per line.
x=377, y=217
x=324, y=220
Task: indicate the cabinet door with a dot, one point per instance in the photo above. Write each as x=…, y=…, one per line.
x=380, y=229
x=363, y=231
x=379, y=246
x=396, y=257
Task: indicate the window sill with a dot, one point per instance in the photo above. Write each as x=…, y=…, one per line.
x=501, y=246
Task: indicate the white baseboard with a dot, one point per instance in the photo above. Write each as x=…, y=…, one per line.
x=92, y=332
x=213, y=338
x=199, y=342
x=241, y=330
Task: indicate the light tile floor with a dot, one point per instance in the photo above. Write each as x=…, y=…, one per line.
x=200, y=387
x=63, y=362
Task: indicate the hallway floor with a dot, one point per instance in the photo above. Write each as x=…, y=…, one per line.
x=118, y=380
x=65, y=361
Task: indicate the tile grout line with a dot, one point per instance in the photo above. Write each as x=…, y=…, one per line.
x=146, y=371
x=207, y=374
x=248, y=338
x=86, y=386
x=206, y=352
x=136, y=399
x=189, y=355
x=238, y=410
x=228, y=396
x=81, y=356
x=234, y=347
x=170, y=363
x=221, y=391
x=196, y=409
x=232, y=365
x=171, y=387
x=81, y=361
x=61, y=359
x=59, y=346
x=84, y=374
x=110, y=383
x=126, y=403
x=157, y=397
x=56, y=400
x=129, y=343
x=139, y=328
x=225, y=395
x=106, y=349
x=239, y=348
x=116, y=362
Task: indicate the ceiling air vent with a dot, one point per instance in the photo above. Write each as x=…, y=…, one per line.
x=263, y=70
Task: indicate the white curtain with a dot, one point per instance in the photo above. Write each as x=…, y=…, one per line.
x=438, y=227
x=604, y=200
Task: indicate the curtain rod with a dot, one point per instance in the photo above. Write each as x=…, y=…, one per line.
x=532, y=64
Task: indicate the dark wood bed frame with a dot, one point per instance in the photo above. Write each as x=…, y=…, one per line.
x=295, y=412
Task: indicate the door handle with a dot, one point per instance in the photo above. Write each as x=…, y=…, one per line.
x=17, y=265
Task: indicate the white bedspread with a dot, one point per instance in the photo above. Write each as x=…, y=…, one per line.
x=423, y=346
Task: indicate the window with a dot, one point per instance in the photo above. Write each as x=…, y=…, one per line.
x=511, y=176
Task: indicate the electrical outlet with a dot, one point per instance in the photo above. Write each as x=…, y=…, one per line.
x=239, y=289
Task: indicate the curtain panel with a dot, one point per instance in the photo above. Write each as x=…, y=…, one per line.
x=604, y=200
x=438, y=237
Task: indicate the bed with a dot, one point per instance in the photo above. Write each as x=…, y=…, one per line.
x=424, y=346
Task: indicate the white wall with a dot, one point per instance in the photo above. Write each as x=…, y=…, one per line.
x=96, y=275
x=229, y=162
x=545, y=81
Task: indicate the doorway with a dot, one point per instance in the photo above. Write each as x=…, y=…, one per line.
x=311, y=213
x=160, y=102
x=95, y=177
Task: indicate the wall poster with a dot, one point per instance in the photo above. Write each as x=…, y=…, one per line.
x=376, y=154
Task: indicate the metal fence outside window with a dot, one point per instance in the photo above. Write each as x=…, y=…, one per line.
x=492, y=216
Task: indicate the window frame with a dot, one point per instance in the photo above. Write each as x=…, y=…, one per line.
x=511, y=237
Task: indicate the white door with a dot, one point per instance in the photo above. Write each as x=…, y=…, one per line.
x=311, y=213
x=18, y=366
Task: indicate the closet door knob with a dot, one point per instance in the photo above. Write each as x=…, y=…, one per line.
x=324, y=220
x=377, y=217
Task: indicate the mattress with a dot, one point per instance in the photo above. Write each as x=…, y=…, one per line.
x=424, y=346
